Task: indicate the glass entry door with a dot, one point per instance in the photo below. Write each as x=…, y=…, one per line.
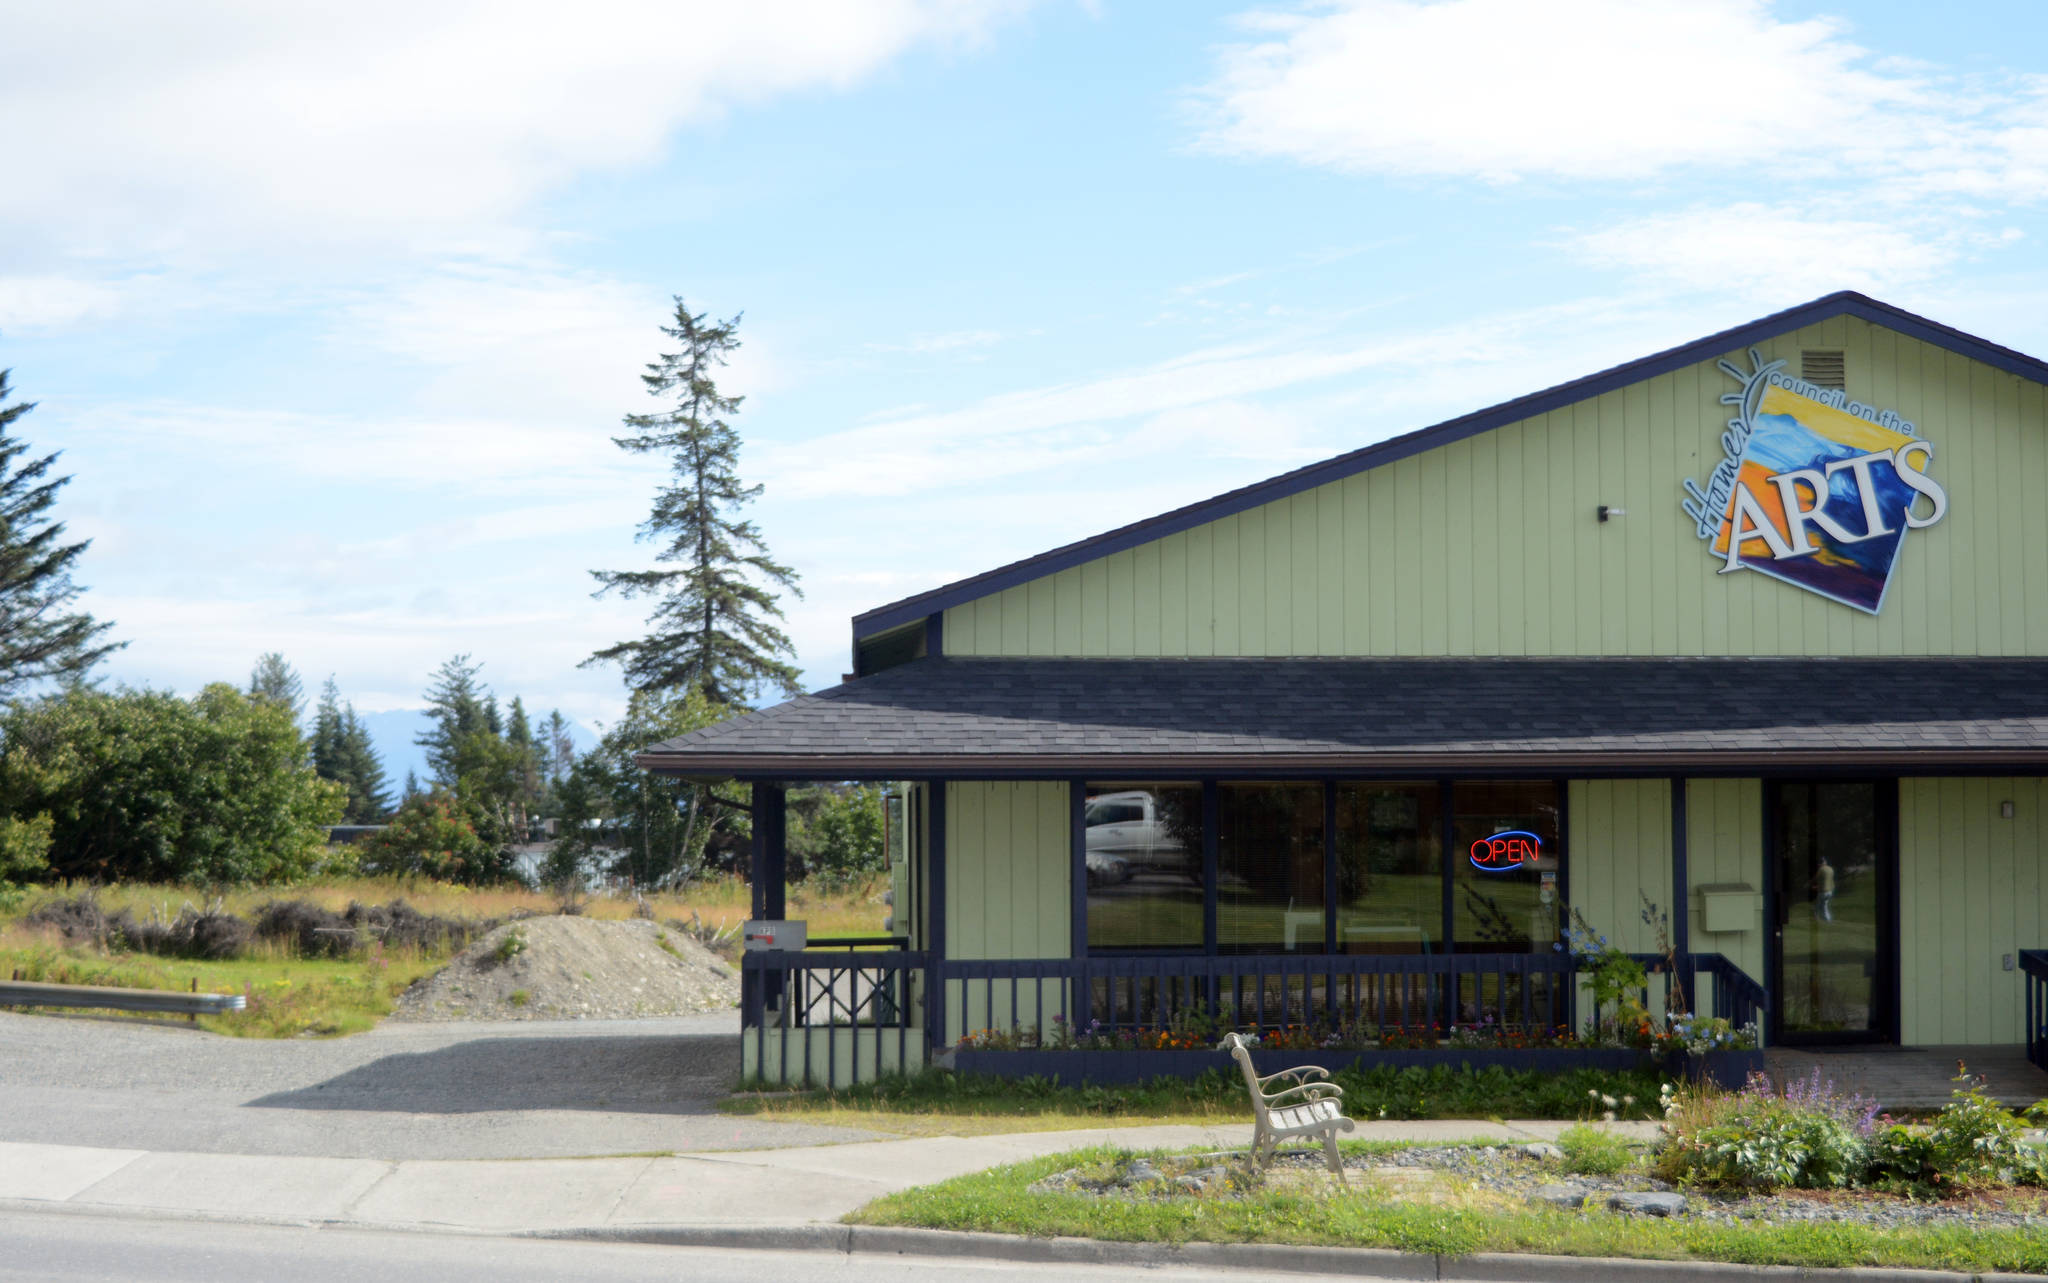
x=1834, y=943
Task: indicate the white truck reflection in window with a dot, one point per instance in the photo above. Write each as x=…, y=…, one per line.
x=1125, y=834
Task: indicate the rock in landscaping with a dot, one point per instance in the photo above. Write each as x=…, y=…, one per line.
x=1572, y=1197
x=1141, y=1172
x=574, y=968
x=1648, y=1204
x=1542, y=1149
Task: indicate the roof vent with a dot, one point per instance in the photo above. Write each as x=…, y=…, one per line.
x=1822, y=369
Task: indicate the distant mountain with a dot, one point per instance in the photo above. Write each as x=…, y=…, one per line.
x=393, y=734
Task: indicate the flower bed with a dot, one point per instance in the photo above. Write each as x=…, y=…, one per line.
x=1107, y=1068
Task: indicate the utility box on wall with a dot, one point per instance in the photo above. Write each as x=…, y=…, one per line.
x=1728, y=906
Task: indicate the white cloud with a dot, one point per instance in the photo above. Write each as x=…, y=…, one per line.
x=52, y=302
x=1206, y=405
x=1779, y=253
x=1501, y=90
x=220, y=128
x=525, y=340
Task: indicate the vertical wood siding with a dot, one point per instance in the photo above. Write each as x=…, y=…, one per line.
x=1619, y=852
x=1973, y=887
x=1490, y=546
x=1724, y=842
x=1008, y=859
x=1008, y=864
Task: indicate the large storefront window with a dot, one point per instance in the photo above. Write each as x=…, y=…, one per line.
x=1504, y=857
x=1144, y=862
x=1269, y=875
x=1277, y=859
x=1389, y=868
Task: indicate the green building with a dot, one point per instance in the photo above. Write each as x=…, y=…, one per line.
x=1754, y=630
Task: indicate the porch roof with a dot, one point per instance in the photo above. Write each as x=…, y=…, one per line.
x=1126, y=718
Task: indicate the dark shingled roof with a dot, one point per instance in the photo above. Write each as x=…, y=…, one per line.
x=1060, y=717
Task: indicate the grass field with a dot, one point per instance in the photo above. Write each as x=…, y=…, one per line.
x=288, y=997
x=1451, y=1222
x=291, y=996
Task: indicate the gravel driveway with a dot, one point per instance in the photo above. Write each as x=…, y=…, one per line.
x=531, y=1089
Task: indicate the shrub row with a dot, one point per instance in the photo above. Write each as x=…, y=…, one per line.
x=1809, y=1135
x=306, y=928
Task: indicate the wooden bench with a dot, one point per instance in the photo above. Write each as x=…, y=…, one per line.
x=1310, y=1107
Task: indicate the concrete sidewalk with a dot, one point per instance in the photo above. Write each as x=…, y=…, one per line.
x=736, y=1190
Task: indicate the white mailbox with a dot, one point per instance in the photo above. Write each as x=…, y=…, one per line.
x=1729, y=906
x=777, y=935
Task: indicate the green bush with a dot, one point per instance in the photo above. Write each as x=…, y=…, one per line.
x=1973, y=1142
x=1591, y=1151
x=431, y=837
x=141, y=785
x=1807, y=1135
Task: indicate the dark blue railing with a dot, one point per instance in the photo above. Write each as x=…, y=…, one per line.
x=783, y=996
x=2034, y=965
x=912, y=996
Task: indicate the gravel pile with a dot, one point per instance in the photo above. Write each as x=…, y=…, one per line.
x=575, y=968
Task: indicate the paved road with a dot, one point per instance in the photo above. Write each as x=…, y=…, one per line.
x=526, y=1089
x=64, y=1247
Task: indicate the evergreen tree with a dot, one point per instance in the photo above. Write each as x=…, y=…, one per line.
x=458, y=706
x=412, y=786
x=39, y=638
x=275, y=680
x=715, y=627
x=369, y=801
x=519, y=734
x=342, y=752
x=558, y=747
x=325, y=740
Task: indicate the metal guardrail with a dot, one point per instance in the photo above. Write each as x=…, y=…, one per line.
x=30, y=993
x=2034, y=964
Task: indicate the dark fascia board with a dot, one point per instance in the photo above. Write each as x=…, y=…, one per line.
x=889, y=766
x=1844, y=303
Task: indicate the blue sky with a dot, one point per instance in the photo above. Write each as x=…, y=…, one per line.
x=334, y=314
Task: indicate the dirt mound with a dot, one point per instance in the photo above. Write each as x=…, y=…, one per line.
x=558, y=968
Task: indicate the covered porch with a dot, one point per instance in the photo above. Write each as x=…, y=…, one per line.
x=1649, y=775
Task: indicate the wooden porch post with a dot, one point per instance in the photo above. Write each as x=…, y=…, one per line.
x=1681, y=896
x=935, y=916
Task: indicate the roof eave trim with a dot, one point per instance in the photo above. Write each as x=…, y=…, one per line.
x=829, y=766
x=1843, y=303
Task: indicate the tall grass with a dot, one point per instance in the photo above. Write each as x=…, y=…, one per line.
x=290, y=995
x=718, y=902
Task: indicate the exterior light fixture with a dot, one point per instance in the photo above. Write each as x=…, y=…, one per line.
x=1607, y=511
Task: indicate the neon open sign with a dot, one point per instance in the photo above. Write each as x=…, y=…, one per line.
x=1506, y=852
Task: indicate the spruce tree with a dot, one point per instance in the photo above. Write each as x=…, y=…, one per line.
x=715, y=625
x=458, y=707
x=326, y=737
x=519, y=734
x=40, y=638
x=557, y=747
x=275, y=680
x=342, y=752
x=369, y=801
